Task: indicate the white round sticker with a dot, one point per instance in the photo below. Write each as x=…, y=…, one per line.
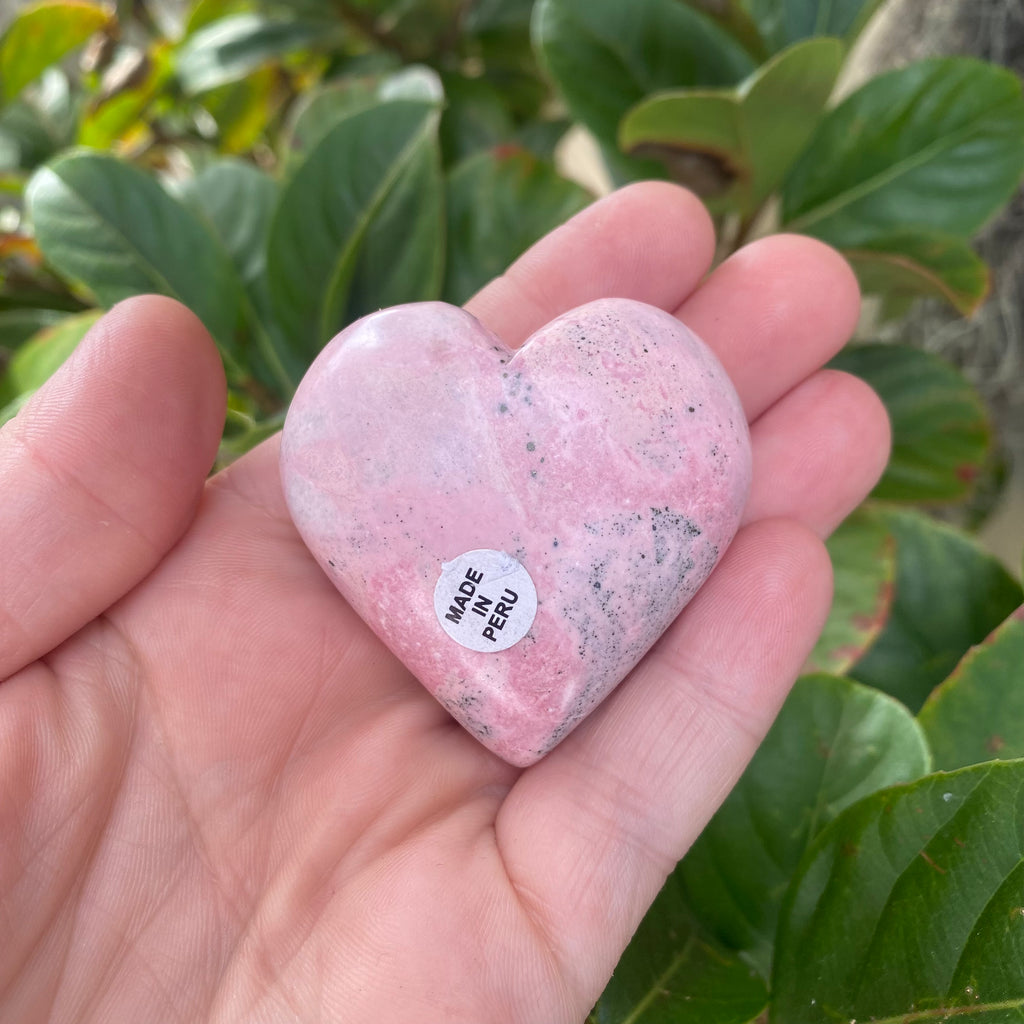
x=485, y=600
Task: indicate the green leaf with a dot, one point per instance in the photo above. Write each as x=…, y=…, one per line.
x=949, y=594
x=499, y=203
x=330, y=103
x=910, y=908
x=112, y=228
x=233, y=47
x=977, y=714
x=37, y=124
x=863, y=555
x=937, y=147
x=243, y=430
x=236, y=201
x=498, y=16
x=40, y=34
x=243, y=109
x=784, y=22
x=18, y=325
x=360, y=225
x=541, y=138
x=744, y=140
x=672, y=973
x=942, y=438
x=106, y=122
x=734, y=17
x=914, y=264
x=606, y=56
x=833, y=743
x=12, y=408
x=475, y=118
x=37, y=360
x=205, y=12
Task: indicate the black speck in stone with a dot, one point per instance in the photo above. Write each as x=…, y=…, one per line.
x=554, y=543
x=531, y=446
x=330, y=563
x=503, y=407
x=690, y=408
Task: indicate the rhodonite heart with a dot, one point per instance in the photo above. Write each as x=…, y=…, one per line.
x=519, y=527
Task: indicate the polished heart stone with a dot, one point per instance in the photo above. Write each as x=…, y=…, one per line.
x=519, y=527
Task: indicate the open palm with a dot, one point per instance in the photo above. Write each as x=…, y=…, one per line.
x=224, y=800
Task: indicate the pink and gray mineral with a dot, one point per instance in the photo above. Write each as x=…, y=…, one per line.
x=518, y=526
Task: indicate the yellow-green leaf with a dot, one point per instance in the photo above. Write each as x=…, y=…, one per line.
x=863, y=566
x=36, y=361
x=40, y=35
x=977, y=714
x=913, y=264
x=734, y=146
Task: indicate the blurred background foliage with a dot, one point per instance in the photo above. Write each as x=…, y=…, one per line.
x=284, y=168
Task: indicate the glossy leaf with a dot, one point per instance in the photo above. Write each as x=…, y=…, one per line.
x=233, y=47
x=486, y=16
x=606, y=56
x=498, y=204
x=244, y=109
x=542, y=137
x=833, y=743
x=863, y=555
x=784, y=22
x=735, y=18
x=977, y=714
x=672, y=973
x=911, y=265
x=12, y=408
x=475, y=118
x=360, y=225
x=37, y=124
x=236, y=201
x=40, y=35
x=107, y=121
x=937, y=146
x=243, y=429
x=949, y=594
x=327, y=105
x=205, y=12
x=36, y=361
x=941, y=433
x=909, y=908
x=112, y=228
x=18, y=325
x=735, y=146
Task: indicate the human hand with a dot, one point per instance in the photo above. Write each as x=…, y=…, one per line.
x=224, y=800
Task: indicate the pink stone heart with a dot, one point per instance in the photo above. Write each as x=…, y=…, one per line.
x=519, y=527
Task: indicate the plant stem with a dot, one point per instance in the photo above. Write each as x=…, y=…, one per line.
x=744, y=231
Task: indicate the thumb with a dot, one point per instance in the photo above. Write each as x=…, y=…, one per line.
x=101, y=471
